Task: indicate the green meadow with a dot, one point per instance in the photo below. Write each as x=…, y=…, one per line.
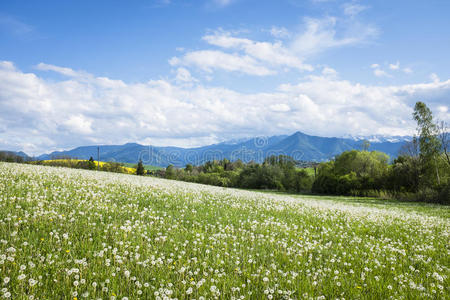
x=79, y=234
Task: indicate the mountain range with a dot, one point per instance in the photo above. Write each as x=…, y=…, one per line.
x=298, y=145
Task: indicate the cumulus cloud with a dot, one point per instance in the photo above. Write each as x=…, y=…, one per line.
x=248, y=56
x=183, y=75
x=210, y=60
x=269, y=57
x=39, y=115
x=78, y=124
x=280, y=107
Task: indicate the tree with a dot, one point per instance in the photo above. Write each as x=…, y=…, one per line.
x=91, y=163
x=189, y=168
x=406, y=169
x=140, y=168
x=429, y=143
x=170, y=172
x=444, y=137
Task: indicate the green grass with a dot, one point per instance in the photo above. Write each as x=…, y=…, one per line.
x=407, y=206
x=146, y=167
x=67, y=233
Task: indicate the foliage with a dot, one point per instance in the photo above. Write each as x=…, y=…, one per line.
x=277, y=173
x=352, y=172
x=140, y=168
x=421, y=172
x=8, y=156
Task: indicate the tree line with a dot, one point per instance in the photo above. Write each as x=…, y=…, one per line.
x=9, y=156
x=276, y=172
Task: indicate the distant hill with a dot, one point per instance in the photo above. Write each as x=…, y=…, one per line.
x=13, y=153
x=299, y=145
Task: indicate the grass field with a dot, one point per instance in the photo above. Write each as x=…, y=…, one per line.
x=146, y=167
x=77, y=234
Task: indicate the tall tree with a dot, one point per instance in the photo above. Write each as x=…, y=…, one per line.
x=429, y=143
x=444, y=137
x=140, y=168
x=91, y=163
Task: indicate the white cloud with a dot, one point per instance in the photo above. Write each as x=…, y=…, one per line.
x=407, y=70
x=280, y=107
x=209, y=60
x=353, y=9
x=248, y=56
x=329, y=72
x=261, y=58
x=64, y=71
x=434, y=77
x=269, y=53
x=395, y=66
x=380, y=73
x=323, y=34
x=377, y=71
x=183, y=75
x=280, y=32
x=39, y=115
x=78, y=124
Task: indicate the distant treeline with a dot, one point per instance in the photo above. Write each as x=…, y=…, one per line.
x=276, y=172
x=9, y=156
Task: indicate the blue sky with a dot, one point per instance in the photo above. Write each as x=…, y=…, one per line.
x=189, y=73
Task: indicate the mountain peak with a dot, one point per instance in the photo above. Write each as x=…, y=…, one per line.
x=299, y=133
